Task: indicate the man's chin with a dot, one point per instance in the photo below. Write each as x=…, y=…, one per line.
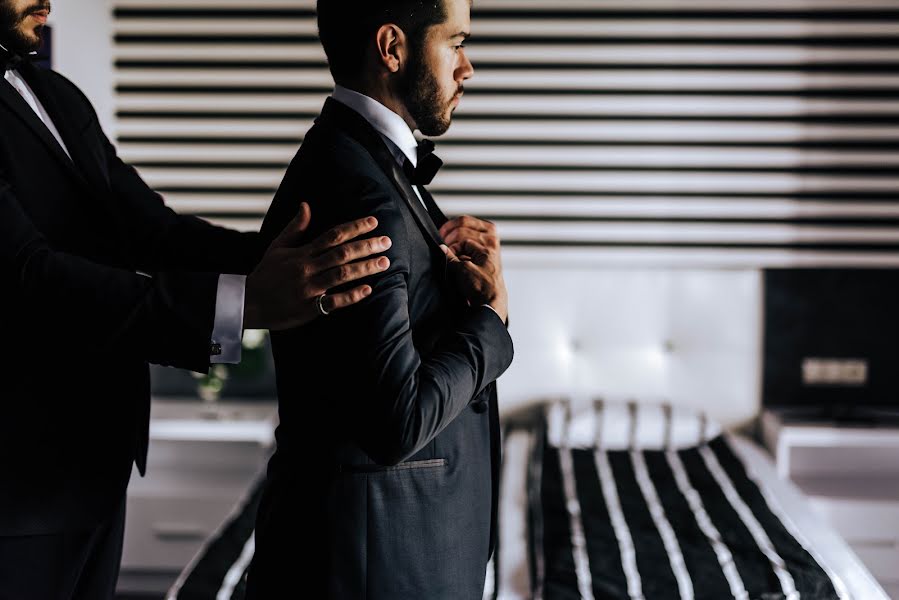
x=29, y=40
x=436, y=130
x=23, y=46
x=439, y=126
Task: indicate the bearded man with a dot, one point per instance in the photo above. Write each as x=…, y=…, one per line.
x=384, y=482
x=99, y=278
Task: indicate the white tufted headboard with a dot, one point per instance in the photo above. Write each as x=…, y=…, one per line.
x=689, y=337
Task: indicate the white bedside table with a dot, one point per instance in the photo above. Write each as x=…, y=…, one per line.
x=201, y=462
x=851, y=475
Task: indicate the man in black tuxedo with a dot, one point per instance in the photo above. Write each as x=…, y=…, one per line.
x=384, y=482
x=99, y=278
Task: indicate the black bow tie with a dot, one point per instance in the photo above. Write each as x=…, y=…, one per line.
x=9, y=60
x=428, y=165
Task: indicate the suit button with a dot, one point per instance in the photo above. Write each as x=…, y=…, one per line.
x=479, y=407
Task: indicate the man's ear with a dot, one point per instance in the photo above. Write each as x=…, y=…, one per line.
x=391, y=42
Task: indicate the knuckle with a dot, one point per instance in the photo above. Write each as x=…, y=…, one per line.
x=333, y=236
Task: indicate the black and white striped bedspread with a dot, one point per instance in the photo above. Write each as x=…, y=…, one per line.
x=629, y=502
x=609, y=505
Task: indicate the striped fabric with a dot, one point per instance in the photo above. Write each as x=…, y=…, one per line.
x=654, y=524
x=676, y=521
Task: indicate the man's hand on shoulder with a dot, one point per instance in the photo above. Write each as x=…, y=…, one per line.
x=281, y=292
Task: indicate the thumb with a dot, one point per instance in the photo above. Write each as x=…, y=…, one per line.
x=450, y=255
x=293, y=233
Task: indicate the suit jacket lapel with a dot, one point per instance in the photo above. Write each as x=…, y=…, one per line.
x=336, y=114
x=84, y=165
x=437, y=215
x=421, y=214
x=17, y=104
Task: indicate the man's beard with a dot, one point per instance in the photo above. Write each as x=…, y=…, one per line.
x=12, y=36
x=420, y=92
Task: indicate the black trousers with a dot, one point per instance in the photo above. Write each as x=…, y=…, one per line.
x=65, y=566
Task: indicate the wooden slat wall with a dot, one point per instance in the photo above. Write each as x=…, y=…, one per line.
x=675, y=132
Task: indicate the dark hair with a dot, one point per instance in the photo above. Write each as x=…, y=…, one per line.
x=347, y=27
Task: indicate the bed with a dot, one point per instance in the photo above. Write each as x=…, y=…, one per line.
x=624, y=472
x=630, y=500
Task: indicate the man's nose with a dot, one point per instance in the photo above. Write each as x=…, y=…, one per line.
x=466, y=69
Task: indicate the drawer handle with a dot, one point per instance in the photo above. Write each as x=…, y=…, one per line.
x=179, y=531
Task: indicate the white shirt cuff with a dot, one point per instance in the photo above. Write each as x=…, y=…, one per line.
x=227, y=331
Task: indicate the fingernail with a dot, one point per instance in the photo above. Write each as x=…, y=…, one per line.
x=372, y=222
x=383, y=262
x=386, y=242
x=366, y=291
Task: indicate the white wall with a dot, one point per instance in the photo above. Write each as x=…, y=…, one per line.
x=82, y=51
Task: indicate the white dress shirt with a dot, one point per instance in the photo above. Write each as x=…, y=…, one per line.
x=229, y=303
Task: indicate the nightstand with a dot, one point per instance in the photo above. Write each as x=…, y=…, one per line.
x=202, y=461
x=851, y=475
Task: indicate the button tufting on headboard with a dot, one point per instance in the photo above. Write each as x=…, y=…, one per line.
x=691, y=337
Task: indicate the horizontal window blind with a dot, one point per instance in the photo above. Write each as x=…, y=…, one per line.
x=681, y=132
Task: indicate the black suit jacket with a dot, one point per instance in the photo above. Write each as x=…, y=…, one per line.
x=385, y=471
x=79, y=323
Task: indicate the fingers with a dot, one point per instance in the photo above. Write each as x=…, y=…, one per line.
x=468, y=222
x=341, y=234
x=350, y=252
x=334, y=302
x=450, y=255
x=291, y=234
x=350, y=272
x=466, y=233
x=470, y=248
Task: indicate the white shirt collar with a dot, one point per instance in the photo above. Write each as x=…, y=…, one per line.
x=389, y=124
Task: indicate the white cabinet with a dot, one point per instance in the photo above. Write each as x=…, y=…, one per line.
x=851, y=475
x=201, y=463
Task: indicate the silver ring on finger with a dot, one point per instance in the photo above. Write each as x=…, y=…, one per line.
x=319, y=305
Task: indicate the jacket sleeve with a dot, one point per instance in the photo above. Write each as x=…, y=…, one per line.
x=156, y=238
x=74, y=302
x=159, y=239
x=410, y=398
